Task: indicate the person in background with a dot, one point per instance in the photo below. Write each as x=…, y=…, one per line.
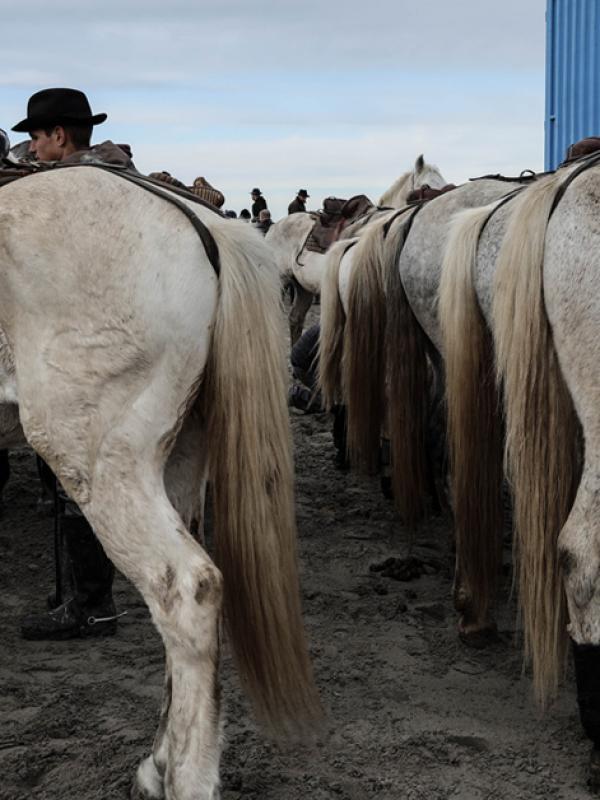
x=245, y=215
x=258, y=203
x=264, y=221
x=231, y=214
x=305, y=396
x=298, y=204
x=60, y=123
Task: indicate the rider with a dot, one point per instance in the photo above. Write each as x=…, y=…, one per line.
x=258, y=203
x=60, y=122
x=298, y=204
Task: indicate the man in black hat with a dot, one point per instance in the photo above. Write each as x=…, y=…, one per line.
x=60, y=123
x=299, y=202
x=258, y=203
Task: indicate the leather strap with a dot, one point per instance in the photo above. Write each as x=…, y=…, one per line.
x=506, y=199
x=587, y=163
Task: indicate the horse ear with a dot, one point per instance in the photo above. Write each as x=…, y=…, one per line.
x=419, y=163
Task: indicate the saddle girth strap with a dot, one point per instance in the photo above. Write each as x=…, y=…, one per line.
x=587, y=163
x=502, y=202
x=415, y=208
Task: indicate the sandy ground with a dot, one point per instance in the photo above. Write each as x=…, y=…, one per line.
x=412, y=713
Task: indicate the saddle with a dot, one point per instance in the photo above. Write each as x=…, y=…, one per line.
x=425, y=193
x=336, y=215
x=201, y=187
x=584, y=147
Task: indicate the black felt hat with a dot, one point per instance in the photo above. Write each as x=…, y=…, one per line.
x=58, y=107
x=255, y=191
x=303, y=193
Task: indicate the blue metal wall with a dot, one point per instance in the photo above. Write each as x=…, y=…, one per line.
x=572, y=75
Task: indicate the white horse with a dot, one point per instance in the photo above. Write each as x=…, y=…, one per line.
x=538, y=293
x=126, y=341
x=288, y=236
x=379, y=327
x=390, y=338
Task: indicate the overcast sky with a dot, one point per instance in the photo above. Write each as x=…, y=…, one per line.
x=335, y=97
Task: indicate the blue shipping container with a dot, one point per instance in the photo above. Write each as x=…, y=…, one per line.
x=572, y=75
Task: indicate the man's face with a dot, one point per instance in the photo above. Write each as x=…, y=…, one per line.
x=47, y=147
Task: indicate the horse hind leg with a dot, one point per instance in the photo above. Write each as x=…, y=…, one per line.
x=148, y=542
x=122, y=494
x=186, y=488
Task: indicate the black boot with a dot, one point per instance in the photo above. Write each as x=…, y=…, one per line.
x=587, y=676
x=91, y=610
x=339, y=437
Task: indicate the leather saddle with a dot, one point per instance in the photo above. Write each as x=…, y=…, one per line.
x=336, y=215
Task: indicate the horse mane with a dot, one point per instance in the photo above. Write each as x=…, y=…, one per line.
x=397, y=189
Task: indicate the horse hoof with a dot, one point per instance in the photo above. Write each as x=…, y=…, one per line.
x=136, y=793
x=479, y=638
x=148, y=783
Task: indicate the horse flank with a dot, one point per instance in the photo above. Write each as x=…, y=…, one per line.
x=243, y=399
x=474, y=423
x=542, y=431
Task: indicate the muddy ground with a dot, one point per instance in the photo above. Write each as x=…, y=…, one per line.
x=412, y=713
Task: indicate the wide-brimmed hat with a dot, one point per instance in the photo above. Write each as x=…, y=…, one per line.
x=303, y=193
x=255, y=191
x=58, y=107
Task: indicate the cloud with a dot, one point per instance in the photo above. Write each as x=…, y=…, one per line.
x=150, y=43
x=337, y=96
x=368, y=163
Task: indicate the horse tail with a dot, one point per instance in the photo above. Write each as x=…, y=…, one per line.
x=542, y=431
x=250, y=468
x=408, y=386
x=475, y=435
x=331, y=335
x=364, y=365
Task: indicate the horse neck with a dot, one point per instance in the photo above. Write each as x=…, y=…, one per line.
x=289, y=234
x=398, y=192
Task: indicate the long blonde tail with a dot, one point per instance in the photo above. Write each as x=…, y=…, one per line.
x=474, y=423
x=331, y=335
x=364, y=366
x=244, y=400
x=408, y=387
x=542, y=430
